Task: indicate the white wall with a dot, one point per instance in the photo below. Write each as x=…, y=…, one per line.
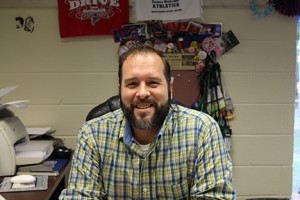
x=65, y=78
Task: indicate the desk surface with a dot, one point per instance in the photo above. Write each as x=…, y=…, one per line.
x=53, y=184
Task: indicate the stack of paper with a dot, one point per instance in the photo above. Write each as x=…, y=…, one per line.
x=34, y=132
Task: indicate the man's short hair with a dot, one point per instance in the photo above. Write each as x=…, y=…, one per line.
x=140, y=48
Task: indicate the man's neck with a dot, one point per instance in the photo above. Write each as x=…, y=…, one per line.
x=144, y=136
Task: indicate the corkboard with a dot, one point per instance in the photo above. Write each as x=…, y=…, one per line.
x=186, y=86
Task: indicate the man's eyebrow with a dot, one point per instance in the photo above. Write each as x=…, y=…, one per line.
x=129, y=80
x=148, y=79
x=155, y=79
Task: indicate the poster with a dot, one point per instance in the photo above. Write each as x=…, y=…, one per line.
x=91, y=17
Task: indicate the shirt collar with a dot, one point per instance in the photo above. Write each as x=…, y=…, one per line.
x=127, y=136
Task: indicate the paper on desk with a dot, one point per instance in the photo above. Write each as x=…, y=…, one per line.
x=18, y=104
x=6, y=90
x=34, y=132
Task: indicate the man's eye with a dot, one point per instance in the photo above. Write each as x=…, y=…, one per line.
x=131, y=85
x=153, y=84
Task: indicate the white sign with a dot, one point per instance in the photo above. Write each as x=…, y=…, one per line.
x=168, y=9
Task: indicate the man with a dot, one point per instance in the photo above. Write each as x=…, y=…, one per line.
x=151, y=148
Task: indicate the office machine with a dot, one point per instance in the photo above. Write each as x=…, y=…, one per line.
x=16, y=148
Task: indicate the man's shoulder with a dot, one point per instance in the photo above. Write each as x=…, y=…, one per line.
x=107, y=125
x=107, y=120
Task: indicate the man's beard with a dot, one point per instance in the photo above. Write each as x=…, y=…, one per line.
x=146, y=124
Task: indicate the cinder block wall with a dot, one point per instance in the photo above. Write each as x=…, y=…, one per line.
x=65, y=78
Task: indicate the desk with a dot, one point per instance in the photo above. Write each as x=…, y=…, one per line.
x=55, y=185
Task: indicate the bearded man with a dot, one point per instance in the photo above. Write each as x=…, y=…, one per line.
x=150, y=148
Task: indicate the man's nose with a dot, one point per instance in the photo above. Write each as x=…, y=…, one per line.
x=143, y=92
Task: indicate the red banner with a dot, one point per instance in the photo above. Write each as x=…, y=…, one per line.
x=91, y=17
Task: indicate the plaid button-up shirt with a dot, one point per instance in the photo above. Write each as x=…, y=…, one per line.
x=186, y=160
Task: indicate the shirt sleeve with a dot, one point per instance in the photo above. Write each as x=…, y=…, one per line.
x=85, y=179
x=213, y=177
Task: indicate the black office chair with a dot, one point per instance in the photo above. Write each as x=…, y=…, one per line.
x=111, y=104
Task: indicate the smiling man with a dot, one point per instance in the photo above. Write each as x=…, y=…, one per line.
x=145, y=94
x=151, y=148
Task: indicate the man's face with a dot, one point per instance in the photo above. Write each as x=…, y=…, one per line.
x=145, y=93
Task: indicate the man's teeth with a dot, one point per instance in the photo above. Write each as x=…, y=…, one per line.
x=144, y=105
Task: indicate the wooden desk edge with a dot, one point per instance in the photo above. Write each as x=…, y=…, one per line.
x=53, y=182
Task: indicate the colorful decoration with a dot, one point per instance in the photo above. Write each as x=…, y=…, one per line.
x=184, y=43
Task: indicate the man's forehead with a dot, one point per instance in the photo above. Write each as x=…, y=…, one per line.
x=152, y=59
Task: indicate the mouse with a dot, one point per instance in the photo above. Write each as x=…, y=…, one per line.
x=23, y=179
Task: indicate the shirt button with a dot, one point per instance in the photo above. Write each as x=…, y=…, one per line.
x=145, y=190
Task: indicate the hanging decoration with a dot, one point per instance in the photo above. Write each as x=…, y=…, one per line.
x=213, y=98
x=258, y=12
x=286, y=7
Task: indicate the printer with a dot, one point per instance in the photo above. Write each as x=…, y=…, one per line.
x=16, y=148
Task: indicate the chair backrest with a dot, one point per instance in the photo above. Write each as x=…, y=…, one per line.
x=111, y=104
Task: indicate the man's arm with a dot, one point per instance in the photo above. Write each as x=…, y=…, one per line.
x=213, y=177
x=84, y=179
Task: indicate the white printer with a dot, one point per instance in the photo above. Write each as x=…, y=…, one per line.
x=16, y=148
